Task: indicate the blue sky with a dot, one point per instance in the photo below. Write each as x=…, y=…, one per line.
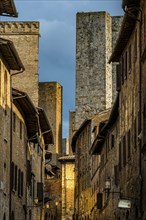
x=57, y=42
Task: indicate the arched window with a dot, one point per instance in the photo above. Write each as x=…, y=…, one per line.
x=13, y=218
x=5, y=87
x=4, y=218
x=46, y=216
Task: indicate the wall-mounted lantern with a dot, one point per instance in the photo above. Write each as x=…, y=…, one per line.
x=107, y=185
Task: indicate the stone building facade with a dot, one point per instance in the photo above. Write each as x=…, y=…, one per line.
x=67, y=170
x=25, y=35
x=72, y=115
x=6, y=65
x=50, y=99
x=96, y=33
x=85, y=165
x=122, y=164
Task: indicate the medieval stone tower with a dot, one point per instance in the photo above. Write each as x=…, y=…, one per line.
x=25, y=36
x=50, y=99
x=95, y=89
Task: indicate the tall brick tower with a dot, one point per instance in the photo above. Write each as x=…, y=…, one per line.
x=50, y=99
x=25, y=36
x=95, y=33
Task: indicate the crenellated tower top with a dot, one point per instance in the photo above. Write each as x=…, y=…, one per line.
x=19, y=27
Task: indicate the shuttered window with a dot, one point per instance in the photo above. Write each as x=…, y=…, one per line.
x=99, y=200
x=123, y=66
x=124, y=150
x=40, y=191
x=15, y=184
x=120, y=159
x=118, y=77
x=112, y=141
x=125, y=72
x=135, y=47
x=19, y=182
x=129, y=58
x=129, y=143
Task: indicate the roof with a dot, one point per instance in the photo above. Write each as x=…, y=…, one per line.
x=29, y=112
x=67, y=158
x=127, y=27
x=106, y=125
x=10, y=55
x=45, y=127
x=78, y=132
x=7, y=8
x=83, y=125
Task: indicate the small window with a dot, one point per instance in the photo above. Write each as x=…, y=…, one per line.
x=15, y=183
x=19, y=182
x=5, y=87
x=120, y=159
x=14, y=122
x=129, y=58
x=135, y=133
x=20, y=129
x=4, y=218
x=124, y=150
x=123, y=63
x=118, y=77
x=112, y=141
x=125, y=75
x=5, y=126
x=129, y=144
x=14, y=174
x=135, y=47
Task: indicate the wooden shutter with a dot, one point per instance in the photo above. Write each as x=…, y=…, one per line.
x=40, y=191
x=99, y=200
x=118, y=77
x=28, y=172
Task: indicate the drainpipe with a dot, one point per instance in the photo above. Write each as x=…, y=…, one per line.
x=140, y=113
x=11, y=141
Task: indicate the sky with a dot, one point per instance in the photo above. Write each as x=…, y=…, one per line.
x=57, y=45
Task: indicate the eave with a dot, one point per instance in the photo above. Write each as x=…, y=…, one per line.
x=78, y=132
x=128, y=25
x=10, y=55
x=29, y=112
x=7, y=8
x=99, y=141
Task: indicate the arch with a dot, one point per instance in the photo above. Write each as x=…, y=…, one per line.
x=12, y=216
x=46, y=216
x=4, y=217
